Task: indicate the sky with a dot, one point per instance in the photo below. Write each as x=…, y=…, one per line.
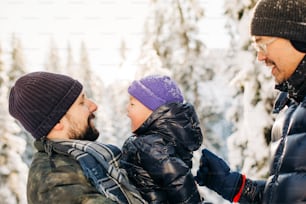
x=101, y=24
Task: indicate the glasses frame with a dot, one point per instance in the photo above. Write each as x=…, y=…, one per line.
x=262, y=47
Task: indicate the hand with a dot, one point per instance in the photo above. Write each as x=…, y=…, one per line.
x=215, y=174
x=212, y=169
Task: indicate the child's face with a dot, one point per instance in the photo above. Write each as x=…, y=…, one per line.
x=137, y=112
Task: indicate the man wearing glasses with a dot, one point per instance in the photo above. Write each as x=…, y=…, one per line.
x=278, y=29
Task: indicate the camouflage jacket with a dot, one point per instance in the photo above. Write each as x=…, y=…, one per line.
x=59, y=179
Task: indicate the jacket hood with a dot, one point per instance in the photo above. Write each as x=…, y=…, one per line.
x=178, y=123
x=296, y=84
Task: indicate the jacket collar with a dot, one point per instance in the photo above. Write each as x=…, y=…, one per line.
x=177, y=123
x=295, y=86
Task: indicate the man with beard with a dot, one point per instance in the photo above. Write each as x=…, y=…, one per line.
x=278, y=28
x=69, y=166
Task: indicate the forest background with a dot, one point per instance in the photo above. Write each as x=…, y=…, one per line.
x=213, y=63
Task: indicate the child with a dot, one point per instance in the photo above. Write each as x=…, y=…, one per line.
x=158, y=158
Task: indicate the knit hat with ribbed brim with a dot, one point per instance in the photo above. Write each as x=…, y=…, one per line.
x=38, y=100
x=280, y=18
x=154, y=91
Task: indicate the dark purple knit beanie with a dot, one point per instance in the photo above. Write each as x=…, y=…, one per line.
x=154, y=91
x=38, y=100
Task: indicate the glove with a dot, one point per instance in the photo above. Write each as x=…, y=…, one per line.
x=215, y=174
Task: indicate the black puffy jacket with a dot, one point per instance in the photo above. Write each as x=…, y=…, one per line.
x=158, y=158
x=287, y=181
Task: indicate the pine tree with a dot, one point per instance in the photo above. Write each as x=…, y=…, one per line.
x=71, y=66
x=53, y=62
x=17, y=67
x=2, y=75
x=13, y=170
x=85, y=74
x=253, y=97
x=116, y=124
x=172, y=32
x=95, y=89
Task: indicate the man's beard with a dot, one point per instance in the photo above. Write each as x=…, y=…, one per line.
x=90, y=133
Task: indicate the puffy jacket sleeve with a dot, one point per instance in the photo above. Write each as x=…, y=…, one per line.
x=60, y=180
x=168, y=172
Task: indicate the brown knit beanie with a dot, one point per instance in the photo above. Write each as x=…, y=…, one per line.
x=280, y=18
x=38, y=100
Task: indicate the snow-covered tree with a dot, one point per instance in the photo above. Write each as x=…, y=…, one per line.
x=150, y=63
x=253, y=98
x=17, y=67
x=2, y=75
x=13, y=170
x=53, y=62
x=85, y=74
x=71, y=66
x=116, y=128
x=105, y=112
x=172, y=32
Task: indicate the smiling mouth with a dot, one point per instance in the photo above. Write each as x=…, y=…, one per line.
x=273, y=69
x=272, y=66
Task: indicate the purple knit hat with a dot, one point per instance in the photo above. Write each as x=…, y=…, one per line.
x=38, y=100
x=154, y=91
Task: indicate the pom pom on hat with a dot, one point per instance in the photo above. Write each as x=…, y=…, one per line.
x=38, y=100
x=154, y=91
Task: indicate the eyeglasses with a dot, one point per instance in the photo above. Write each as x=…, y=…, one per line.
x=262, y=47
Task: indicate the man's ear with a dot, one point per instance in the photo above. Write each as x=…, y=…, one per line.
x=59, y=126
x=56, y=131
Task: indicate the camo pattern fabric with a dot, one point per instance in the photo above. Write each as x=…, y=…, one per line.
x=100, y=164
x=59, y=179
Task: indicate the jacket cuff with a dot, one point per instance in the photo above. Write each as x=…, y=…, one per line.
x=238, y=195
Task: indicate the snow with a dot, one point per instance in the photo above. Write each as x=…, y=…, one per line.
x=233, y=94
